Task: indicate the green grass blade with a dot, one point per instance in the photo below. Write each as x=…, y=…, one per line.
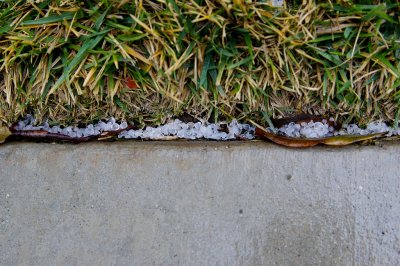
x=81, y=55
x=53, y=19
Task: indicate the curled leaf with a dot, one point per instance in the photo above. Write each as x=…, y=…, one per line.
x=286, y=141
x=4, y=133
x=349, y=139
x=306, y=143
x=45, y=136
x=42, y=135
x=110, y=135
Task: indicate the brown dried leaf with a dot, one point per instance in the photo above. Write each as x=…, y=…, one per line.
x=286, y=141
x=306, y=143
x=4, y=133
x=110, y=135
x=349, y=139
x=42, y=135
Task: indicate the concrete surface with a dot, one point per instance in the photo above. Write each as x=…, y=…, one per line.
x=198, y=203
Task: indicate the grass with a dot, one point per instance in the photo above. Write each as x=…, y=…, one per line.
x=148, y=60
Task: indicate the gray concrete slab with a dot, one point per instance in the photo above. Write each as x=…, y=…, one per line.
x=198, y=203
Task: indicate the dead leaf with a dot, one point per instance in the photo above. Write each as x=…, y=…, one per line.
x=4, y=133
x=349, y=139
x=111, y=135
x=286, y=141
x=306, y=143
x=131, y=83
x=45, y=136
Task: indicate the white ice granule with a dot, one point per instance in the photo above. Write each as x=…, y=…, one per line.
x=276, y=3
x=323, y=129
x=372, y=128
x=74, y=132
x=378, y=127
x=205, y=130
x=176, y=128
x=307, y=130
x=192, y=131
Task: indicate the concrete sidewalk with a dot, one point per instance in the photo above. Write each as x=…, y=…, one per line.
x=198, y=203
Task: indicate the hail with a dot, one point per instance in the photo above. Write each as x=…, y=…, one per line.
x=323, y=129
x=177, y=128
x=199, y=130
x=205, y=130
